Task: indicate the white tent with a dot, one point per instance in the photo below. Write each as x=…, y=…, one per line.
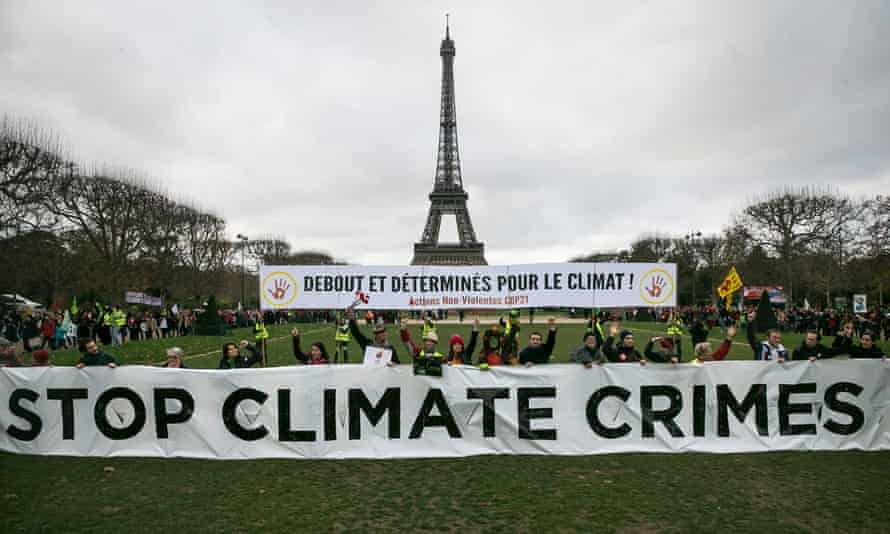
x=20, y=302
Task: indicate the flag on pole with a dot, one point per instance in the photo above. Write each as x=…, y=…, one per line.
x=731, y=283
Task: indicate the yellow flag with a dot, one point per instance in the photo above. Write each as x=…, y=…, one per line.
x=730, y=284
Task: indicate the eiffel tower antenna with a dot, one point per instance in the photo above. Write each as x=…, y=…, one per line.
x=448, y=196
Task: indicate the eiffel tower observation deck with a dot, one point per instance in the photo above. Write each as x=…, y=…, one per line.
x=448, y=196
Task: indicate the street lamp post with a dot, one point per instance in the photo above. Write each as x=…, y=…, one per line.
x=243, y=239
x=693, y=239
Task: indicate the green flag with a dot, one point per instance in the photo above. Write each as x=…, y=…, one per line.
x=73, y=307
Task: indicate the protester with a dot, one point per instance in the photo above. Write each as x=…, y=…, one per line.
x=260, y=335
x=624, y=351
x=174, y=359
x=669, y=350
x=590, y=351
x=699, y=332
x=318, y=354
x=233, y=359
x=537, y=352
x=702, y=351
x=811, y=349
x=380, y=339
x=769, y=349
x=341, y=340
x=460, y=354
x=92, y=355
x=40, y=358
x=8, y=357
x=866, y=348
x=492, y=344
x=48, y=332
x=427, y=360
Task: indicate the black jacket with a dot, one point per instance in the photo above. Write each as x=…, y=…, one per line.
x=699, y=333
x=620, y=354
x=363, y=341
x=856, y=351
x=539, y=354
x=657, y=356
x=240, y=361
x=100, y=358
x=466, y=357
x=819, y=351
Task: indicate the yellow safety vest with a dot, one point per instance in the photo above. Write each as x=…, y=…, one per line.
x=427, y=328
x=259, y=331
x=119, y=318
x=343, y=335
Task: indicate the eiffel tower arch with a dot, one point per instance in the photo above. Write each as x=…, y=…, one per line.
x=448, y=196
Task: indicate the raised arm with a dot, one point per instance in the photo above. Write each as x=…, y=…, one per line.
x=357, y=334
x=551, y=337
x=298, y=353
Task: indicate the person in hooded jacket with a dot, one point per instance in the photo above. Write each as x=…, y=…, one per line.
x=625, y=350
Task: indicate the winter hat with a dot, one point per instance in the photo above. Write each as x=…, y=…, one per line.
x=455, y=339
x=40, y=358
x=666, y=342
x=587, y=335
x=623, y=334
x=432, y=337
x=379, y=327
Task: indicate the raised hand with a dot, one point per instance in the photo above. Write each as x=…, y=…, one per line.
x=243, y=344
x=613, y=329
x=476, y=322
x=730, y=331
x=295, y=332
x=551, y=322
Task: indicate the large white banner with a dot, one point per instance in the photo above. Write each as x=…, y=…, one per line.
x=582, y=285
x=351, y=411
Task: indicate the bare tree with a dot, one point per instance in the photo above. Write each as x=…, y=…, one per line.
x=788, y=223
x=30, y=160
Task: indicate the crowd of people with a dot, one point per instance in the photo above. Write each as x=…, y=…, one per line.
x=94, y=329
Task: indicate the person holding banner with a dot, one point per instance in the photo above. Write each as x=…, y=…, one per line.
x=233, y=359
x=670, y=349
x=625, y=351
x=174, y=359
x=811, y=349
x=460, y=354
x=341, y=340
x=702, y=351
x=510, y=346
x=538, y=352
x=93, y=355
x=318, y=355
x=427, y=360
x=380, y=338
x=866, y=347
x=769, y=349
x=590, y=352
x=492, y=344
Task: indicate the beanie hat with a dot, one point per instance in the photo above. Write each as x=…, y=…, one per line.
x=587, y=335
x=40, y=357
x=623, y=334
x=666, y=342
x=455, y=339
x=379, y=327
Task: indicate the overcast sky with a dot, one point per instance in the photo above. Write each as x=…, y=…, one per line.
x=581, y=124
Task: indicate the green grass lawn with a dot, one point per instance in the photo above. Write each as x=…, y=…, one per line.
x=771, y=492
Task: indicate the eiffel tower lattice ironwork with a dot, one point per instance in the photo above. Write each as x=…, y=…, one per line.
x=448, y=196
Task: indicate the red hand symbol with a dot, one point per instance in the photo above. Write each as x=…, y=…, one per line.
x=281, y=287
x=657, y=287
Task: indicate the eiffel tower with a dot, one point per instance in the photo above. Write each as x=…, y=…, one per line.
x=448, y=196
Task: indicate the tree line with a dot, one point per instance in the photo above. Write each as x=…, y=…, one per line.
x=70, y=230
x=818, y=244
